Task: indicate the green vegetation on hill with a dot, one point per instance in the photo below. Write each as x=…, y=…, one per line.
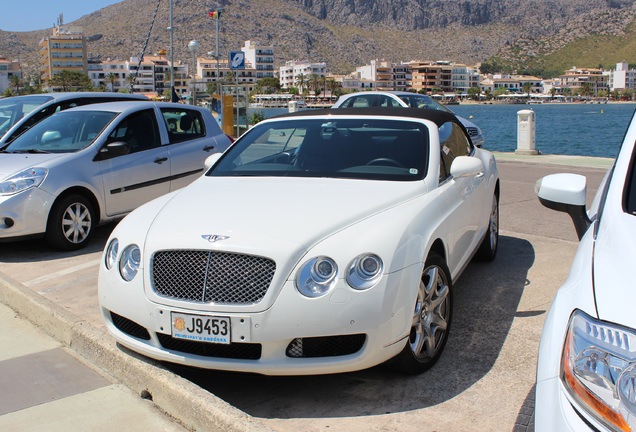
x=593, y=51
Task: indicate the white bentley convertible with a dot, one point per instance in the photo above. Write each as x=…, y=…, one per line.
x=320, y=242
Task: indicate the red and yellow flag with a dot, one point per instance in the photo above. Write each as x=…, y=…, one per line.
x=214, y=14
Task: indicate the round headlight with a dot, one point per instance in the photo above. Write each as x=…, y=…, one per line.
x=317, y=277
x=129, y=262
x=364, y=271
x=111, y=253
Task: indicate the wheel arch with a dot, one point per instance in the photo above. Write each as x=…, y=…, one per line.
x=439, y=248
x=79, y=190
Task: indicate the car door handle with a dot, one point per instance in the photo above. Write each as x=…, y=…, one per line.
x=208, y=148
x=160, y=160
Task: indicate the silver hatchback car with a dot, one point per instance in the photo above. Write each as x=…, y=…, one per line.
x=92, y=164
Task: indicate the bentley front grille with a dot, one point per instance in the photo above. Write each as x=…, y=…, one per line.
x=211, y=277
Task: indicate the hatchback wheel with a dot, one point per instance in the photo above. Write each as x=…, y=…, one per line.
x=431, y=319
x=70, y=223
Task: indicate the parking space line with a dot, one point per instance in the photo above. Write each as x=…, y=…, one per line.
x=64, y=272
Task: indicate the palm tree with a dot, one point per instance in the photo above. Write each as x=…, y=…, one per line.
x=527, y=86
x=111, y=79
x=130, y=79
x=301, y=82
x=334, y=87
x=315, y=83
x=16, y=82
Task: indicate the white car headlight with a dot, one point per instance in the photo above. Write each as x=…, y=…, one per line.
x=364, y=271
x=317, y=276
x=23, y=180
x=598, y=369
x=129, y=262
x=111, y=253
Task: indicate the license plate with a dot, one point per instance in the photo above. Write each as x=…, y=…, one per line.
x=201, y=328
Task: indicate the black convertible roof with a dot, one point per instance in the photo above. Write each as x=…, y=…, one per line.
x=436, y=116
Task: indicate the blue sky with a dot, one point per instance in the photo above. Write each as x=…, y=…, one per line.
x=29, y=15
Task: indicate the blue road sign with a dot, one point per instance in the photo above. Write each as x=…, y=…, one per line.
x=237, y=60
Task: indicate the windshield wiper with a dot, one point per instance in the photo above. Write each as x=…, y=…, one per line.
x=32, y=151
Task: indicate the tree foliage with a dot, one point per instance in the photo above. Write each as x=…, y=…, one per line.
x=71, y=81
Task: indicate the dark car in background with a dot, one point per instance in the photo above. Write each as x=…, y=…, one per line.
x=19, y=113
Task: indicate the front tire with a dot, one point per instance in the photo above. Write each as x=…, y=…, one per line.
x=70, y=223
x=431, y=319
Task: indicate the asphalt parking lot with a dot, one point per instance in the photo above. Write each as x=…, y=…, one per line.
x=483, y=381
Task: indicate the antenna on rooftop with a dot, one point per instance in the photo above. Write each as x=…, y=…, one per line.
x=60, y=20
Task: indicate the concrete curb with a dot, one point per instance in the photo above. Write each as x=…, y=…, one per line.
x=186, y=402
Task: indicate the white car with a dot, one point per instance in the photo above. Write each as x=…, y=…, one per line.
x=92, y=164
x=404, y=99
x=586, y=375
x=321, y=242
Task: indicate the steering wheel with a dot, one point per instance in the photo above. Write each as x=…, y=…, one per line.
x=385, y=161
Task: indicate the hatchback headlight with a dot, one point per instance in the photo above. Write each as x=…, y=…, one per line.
x=598, y=369
x=317, y=277
x=129, y=262
x=23, y=180
x=364, y=271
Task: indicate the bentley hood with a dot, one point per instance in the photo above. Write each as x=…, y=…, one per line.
x=272, y=217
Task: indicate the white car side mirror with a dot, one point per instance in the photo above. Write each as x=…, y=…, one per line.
x=565, y=193
x=211, y=160
x=466, y=166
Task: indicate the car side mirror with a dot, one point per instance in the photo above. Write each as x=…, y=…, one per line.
x=50, y=136
x=211, y=160
x=566, y=193
x=114, y=149
x=466, y=166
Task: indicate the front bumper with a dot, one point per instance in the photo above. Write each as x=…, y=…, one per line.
x=557, y=412
x=344, y=331
x=24, y=214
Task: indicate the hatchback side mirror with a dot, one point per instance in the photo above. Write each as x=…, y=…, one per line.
x=114, y=149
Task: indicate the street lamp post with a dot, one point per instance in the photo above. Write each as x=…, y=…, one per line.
x=193, y=46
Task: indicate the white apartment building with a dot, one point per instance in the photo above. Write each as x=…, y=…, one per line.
x=622, y=78
x=208, y=71
x=260, y=58
x=464, y=77
x=384, y=75
x=7, y=70
x=289, y=75
x=153, y=76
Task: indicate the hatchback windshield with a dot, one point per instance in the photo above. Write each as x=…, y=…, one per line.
x=365, y=148
x=64, y=132
x=14, y=108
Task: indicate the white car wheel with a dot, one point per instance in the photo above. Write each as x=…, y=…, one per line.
x=431, y=319
x=488, y=248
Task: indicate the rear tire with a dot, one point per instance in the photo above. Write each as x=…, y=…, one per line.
x=70, y=223
x=431, y=319
x=488, y=248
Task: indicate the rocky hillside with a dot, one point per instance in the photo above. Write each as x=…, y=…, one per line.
x=346, y=33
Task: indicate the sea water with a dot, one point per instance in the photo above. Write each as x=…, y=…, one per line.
x=568, y=129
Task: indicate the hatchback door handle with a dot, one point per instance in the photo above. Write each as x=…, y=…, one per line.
x=160, y=160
